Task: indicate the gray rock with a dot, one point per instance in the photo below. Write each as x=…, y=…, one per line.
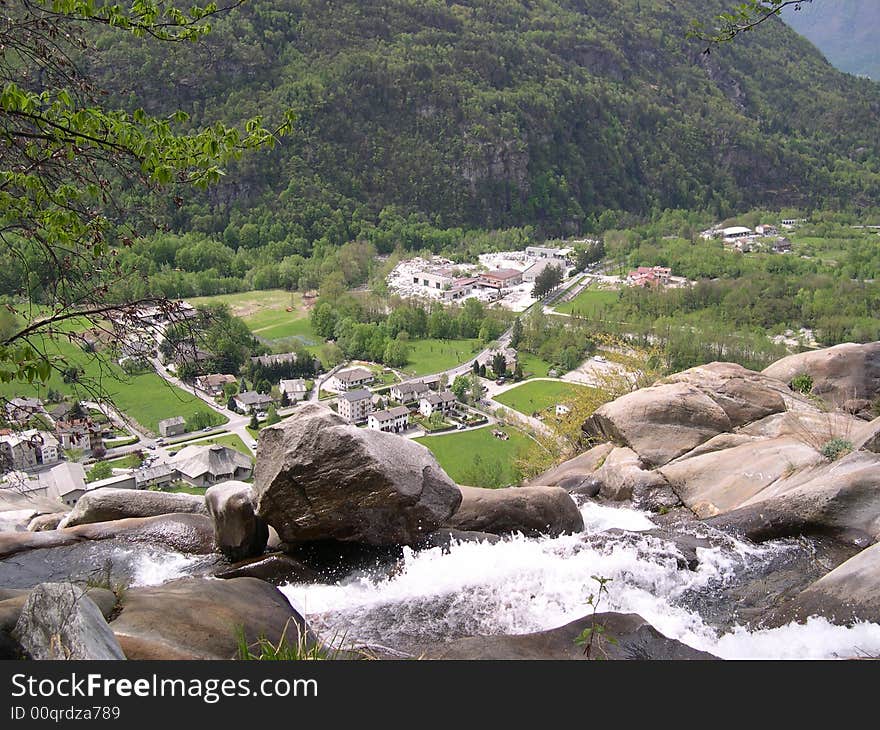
x=659, y=423
x=849, y=593
x=840, y=499
x=446, y=538
x=197, y=618
x=187, y=533
x=683, y=411
x=840, y=373
x=720, y=481
x=278, y=569
x=321, y=478
x=635, y=639
x=107, y=504
x=59, y=621
x=238, y=531
x=573, y=475
x=46, y=522
x=623, y=477
x=529, y=510
x=869, y=437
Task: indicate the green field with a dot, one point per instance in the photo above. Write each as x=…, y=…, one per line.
x=588, y=302
x=147, y=398
x=477, y=458
x=538, y=395
x=533, y=366
x=431, y=356
x=265, y=313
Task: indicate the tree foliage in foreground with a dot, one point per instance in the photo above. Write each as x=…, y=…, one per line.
x=69, y=164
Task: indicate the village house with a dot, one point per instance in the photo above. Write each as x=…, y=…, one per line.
x=351, y=379
x=202, y=466
x=252, y=402
x=509, y=353
x=64, y=482
x=782, y=245
x=355, y=405
x=21, y=410
x=214, y=385
x=79, y=434
x=27, y=449
x=409, y=391
x=649, y=276
x=392, y=420
x=766, y=230
x=295, y=389
x=442, y=402
x=172, y=426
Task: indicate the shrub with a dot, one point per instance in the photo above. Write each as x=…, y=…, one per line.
x=802, y=383
x=836, y=448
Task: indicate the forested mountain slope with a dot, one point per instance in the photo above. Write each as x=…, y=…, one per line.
x=498, y=113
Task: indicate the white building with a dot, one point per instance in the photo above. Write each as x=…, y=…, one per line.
x=443, y=402
x=438, y=280
x=736, y=232
x=296, y=389
x=409, y=391
x=536, y=269
x=555, y=255
x=27, y=449
x=252, y=402
x=392, y=420
x=203, y=466
x=355, y=405
x=346, y=380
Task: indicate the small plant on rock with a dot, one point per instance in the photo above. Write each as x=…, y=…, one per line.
x=802, y=383
x=284, y=650
x=594, y=635
x=836, y=448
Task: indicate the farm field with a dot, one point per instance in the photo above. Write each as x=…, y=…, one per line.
x=477, y=458
x=588, y=302
x=537, y=395
x=431, y=356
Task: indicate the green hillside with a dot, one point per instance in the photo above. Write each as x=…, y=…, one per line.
x=503, y=113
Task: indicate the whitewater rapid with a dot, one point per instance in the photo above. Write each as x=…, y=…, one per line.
x=522, y=585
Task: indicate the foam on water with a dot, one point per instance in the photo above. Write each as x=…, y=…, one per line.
x=522, y=585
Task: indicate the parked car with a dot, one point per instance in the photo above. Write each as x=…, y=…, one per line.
x=208, y=428
x=500, y=381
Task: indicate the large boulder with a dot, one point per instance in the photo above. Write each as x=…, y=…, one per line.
x=849, y=593
x=319, y=477
x=106, y=504
x=60, y=621
x=529, y=510
x=840, y=499
x=238, y=531
x=869, y=437
x=623, y=477
x=840, y=373
x=659, y=423
x=634, y=638
x=743, y=394
x=276, y=568
x=46, y=522
x=717, y=481
x=199, y=618
x=187, y=533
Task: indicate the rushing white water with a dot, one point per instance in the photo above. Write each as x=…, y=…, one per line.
x=522, y=585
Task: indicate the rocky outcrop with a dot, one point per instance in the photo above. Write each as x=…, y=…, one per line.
x=840, y=373
x=849, y=593
x=238, y=532
x=623, y=477
x=869, y=437
x=529, y=510
x=277, y=568
x=187, y=533
x=107, y=504
x=840, y=499
x=721, y=480
x=46, y=522
x=60, y=621
x=198, y=618
x=634, y=638
x=321, y=478
x=681, y=412
x=574, y=475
